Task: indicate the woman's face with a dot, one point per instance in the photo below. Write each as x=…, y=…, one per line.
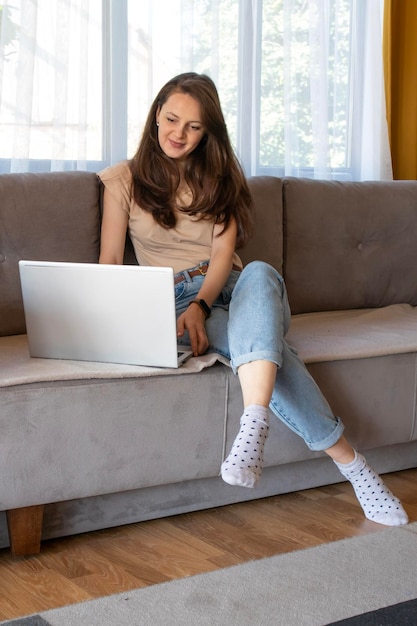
x=180, y=128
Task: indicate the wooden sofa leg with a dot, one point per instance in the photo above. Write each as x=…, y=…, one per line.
x=25, y=529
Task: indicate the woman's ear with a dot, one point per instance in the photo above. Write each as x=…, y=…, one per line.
x=158, y=111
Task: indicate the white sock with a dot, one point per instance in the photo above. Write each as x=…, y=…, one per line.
x=243, y=466
x=376, y=500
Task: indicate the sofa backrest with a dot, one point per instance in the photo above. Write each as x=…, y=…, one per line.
x=266, y=243
x=338, y=245
x=49, y=217
x=349, y=245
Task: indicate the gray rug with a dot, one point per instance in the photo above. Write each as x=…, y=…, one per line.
x=313, y=587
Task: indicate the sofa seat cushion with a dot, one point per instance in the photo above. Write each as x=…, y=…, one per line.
x=353, y=334
x=18, y=368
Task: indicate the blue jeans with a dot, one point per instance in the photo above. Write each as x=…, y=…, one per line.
x=249, y=322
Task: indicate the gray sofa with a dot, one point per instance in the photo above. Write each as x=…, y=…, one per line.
x=84, y=448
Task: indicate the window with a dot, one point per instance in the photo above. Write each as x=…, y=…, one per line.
x=51, y=81
x=300, y=81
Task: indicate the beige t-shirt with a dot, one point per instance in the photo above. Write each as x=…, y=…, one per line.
x=182, y=247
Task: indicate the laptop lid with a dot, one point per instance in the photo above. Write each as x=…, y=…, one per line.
x=91, y=312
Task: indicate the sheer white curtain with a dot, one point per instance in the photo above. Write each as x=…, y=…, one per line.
x=301, y=81
x=51, y=112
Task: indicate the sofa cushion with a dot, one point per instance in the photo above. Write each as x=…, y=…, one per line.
x=348, y=244
x=49, y=217
x=17, y=367
x=354, y=334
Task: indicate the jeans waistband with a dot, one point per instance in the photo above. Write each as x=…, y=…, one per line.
x=198, y=270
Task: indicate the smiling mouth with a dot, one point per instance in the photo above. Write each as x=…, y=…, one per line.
x=176, y=145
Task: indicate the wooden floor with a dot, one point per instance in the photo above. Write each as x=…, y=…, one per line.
x=111, y=561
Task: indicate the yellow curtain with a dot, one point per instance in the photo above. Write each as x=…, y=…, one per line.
x=400, y=62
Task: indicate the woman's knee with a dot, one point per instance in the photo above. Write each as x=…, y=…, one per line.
x=261, y=268
x=262, y=276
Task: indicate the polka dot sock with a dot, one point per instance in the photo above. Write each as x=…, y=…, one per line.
x=243, y=466
x=376, y=500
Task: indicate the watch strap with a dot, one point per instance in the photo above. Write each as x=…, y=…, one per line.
x=203, y=306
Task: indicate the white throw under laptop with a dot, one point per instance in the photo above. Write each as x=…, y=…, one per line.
x=110, y=313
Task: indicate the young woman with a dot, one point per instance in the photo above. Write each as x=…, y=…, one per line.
x=186, y=204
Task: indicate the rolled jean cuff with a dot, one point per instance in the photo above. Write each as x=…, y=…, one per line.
x=331, y=440
x=261, y=355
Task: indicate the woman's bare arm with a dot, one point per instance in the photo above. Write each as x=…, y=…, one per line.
x=113, y=231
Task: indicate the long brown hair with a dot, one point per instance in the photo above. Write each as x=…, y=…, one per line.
x=213, y=173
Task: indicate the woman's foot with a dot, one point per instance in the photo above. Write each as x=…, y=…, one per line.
x=243, y=466
x=376, y=500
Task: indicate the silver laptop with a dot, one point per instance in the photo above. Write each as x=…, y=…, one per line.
x=109, y=313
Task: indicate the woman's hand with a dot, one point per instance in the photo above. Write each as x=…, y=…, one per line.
x=193, y=320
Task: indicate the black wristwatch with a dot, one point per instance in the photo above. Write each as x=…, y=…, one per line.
x=203, y=306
